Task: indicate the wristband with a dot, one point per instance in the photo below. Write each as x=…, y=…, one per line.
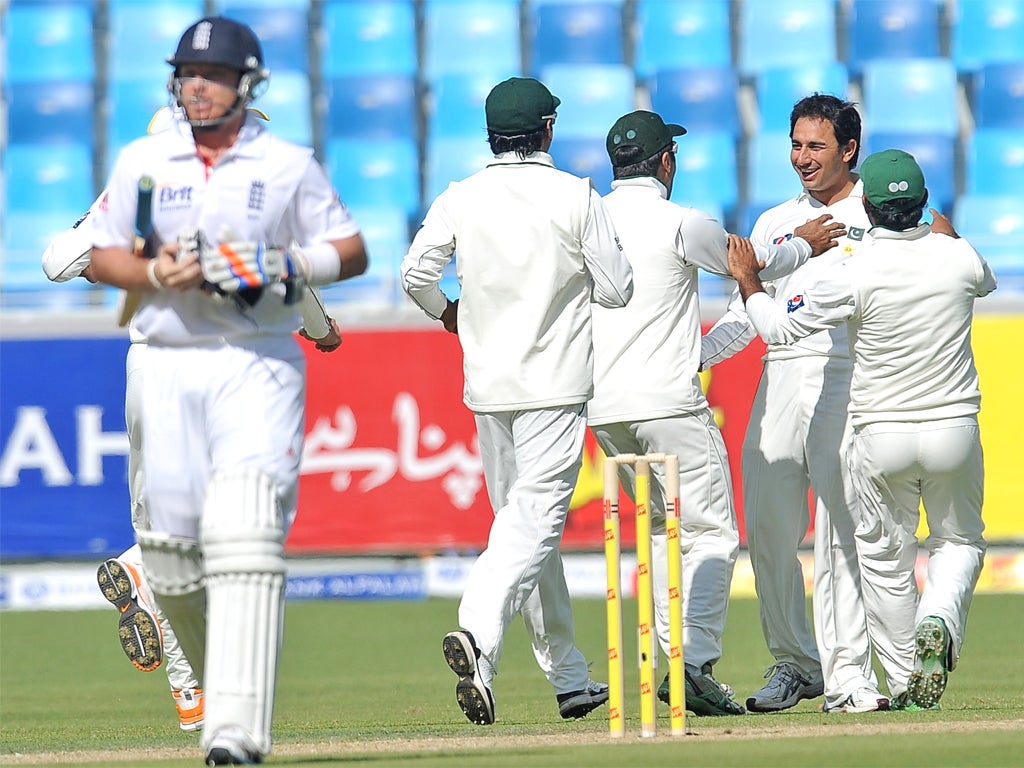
x=320, y=262
x=151, y=274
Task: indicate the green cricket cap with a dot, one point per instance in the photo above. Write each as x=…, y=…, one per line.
x=519, y=105
x=644, y=130
x=892, y=178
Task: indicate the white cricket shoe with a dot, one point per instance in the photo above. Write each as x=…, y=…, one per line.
x=191, y=710
x=786, y=686
x=471, y=692
x=861, y=700
x=231, y=745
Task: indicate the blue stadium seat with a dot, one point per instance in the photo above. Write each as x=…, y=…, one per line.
x=911, y=96
x=51, y=111
x=891, y=29
x=584, y=157
x=48, y=42
x=575, y=33
x=457, y=103
x=385, y=231
x=700, y=99
x=995, y=162
x=770, y=175
x=935, y=154
x=49, y=177
x=368, y=37
x=780, y=88
x=994, y=225
x=986, y=31
x=283, y=29
x=132, y=104
x=453, y=159
x=372, y=106
x=779, y=33
x=471, y=35
x=143, y=33
x=288, y=103
x=375, y=172
x=999, y=95
x=706, y=169
x=593, y=97
x=681, y=35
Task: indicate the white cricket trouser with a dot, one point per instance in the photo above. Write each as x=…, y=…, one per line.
x=796, y=440
x=531, y=461
x=897, y=466
x=179, y=671
x=708, y=538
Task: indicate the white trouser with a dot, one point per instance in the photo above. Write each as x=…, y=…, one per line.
x=708, y=538
x=796, y=440
x=896, y=468
x=531, y=462
x=179, y=671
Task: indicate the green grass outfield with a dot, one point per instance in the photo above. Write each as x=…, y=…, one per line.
x=364, y=683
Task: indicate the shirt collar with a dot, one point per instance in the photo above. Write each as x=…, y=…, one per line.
x=511, y=158
x=248, y=144
x=915, y=233
x=857, y=191
x=643, y=182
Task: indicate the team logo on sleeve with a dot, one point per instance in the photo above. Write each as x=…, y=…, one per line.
x=795, y=303
x=782, y=238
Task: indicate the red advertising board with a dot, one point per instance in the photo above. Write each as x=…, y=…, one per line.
x=391, y=462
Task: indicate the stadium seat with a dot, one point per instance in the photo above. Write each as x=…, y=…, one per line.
x=283, y=29
x=999, y=95
x=891, y=29
x=575, y=33
x=375, y=172
x=372, y=106
x=911, y=96
x=770, y=175
x=995, y=162
x=453, y=159
x=779, y=33
x=368, y=37
x=700, y=99
x=49, y=177
x=706, y=169
x=584, y=157
x=289, y=105
x=593, y=97
x=994, y=225
x=457, y=103
x=935, y=154
x=471, y=35
x=132, y=104
x=779, y=88
x=680, y=35
x=385, y=231
x=143, y=33
x=47, y=42
x=51, y=111
x=986, y=31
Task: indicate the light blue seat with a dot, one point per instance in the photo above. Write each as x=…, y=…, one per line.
x=49, y=177
x=575, y=33
x=372, y=106
x=143, y=33
x=774, y=33
x=702, y=98
x=999, y=95
x=706, y=169
x=911, y=96
x=995, y=162
x=457, y=103
x=936, y=154
x=132, y=104
x=47, y=42
x=54, y=111
x=593, y=97
x=891, y=29
x=770, y=175
x=368, y=36
x=994, y=225
x=375, y=172
x=678, y=35
x=452, y=159
x=289, y=104
x=469, y=36
x=780, y=88
x=584, y=157
x=986, y=31
x=385, y=230
x=283, y=29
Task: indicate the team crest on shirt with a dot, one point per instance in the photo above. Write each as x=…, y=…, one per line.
x=782, y=238
x=795, y=303
x=257, y=195
x=855, y=233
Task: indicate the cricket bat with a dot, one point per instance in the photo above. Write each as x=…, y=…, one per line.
x=143, y=230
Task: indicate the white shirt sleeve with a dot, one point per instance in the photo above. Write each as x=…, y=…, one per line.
x=727, y=337
x=70, y=252
x=609, y=268
x=430, y=252
x=827, y=304
x=782, y=258
x=703, y=242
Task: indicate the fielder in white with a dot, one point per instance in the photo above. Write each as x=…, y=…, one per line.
x=535, y=247
x=795, y=442
x=908, y=302
x=647, y=393
x=241, y=223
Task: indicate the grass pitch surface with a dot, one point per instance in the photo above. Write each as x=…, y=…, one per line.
x=364, y=683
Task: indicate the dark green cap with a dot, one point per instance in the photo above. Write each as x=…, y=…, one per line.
x=644, y=130
x=519, y=105
x=892, y=178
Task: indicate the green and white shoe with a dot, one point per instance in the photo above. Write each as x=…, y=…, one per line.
x=928, y=680
x=902, y=703
x=704, y=695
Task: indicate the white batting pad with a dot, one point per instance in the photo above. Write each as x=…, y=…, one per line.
x=242, y=533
